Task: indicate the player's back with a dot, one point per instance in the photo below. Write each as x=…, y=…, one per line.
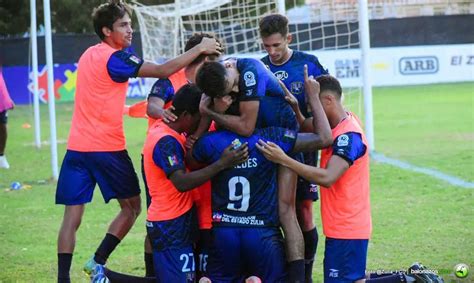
x=245, y=195
x=258, y=83
x=292, y=75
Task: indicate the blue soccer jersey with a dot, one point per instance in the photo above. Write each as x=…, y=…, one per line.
x=162, y=88
x=123, y=65
x=246, y=195
x=258, y=83
x=292, y=75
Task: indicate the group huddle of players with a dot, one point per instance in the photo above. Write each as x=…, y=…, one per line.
x=226, y=141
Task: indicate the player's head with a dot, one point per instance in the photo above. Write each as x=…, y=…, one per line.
x=218, y=79
x=186, y=107
x=275, y=37
x=112, y=23
x=330, y=92
x=194, y=40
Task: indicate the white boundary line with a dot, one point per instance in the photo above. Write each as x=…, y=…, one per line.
x=431, y=172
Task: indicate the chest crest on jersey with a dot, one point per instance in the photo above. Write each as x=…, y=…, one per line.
x=281, y=75
x=296, y=87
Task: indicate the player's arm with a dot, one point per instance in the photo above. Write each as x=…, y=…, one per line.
x=347, y=148
x=185, y=181
x=243, y=125
x=207, y=46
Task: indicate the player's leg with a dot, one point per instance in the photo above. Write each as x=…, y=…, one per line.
x=75, y=188
x=293, y=236
x=310, y=235
x=3, y=139
x=148, y=254
x=116, y=177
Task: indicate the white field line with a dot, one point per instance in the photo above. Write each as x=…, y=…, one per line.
x=428, y=171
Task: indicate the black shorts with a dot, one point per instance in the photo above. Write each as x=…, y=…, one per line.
x=3, y=117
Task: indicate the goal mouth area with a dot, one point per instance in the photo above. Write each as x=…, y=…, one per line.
x=186, y=8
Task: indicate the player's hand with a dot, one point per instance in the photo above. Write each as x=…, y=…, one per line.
x=190, y=140
x=271, y=151
x=210, y=46
x=204, y=104
x=221, y=104
x=168, y=115
x=234, y=156
x=311, y=86
x=289, y=97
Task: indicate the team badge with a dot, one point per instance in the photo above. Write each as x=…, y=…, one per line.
x=343, y=140
x=296, y=87
x=173, y=160
x=249, y=78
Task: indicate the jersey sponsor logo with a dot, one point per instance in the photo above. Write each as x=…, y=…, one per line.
x=281, y=75
x=135, y=59
x=173, y=160
x=249, y=78
x=334, y=273
x=296, y=87
x=251, y=220
x=343, y=140
x=418, y=65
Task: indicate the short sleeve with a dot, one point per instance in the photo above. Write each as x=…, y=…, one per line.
x=317, y=69
x=349, y=146
x=162, y=88
x=203, y=151
x=249, y=86
x=168, y=154
x=123, y=65
x=284, y=138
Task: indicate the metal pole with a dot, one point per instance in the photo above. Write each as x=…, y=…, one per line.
x=51, y=99
x=281, y=7
x=34, y=55
x=364, y=35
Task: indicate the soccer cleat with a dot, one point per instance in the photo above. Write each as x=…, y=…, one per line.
x=90, y=266
x=422, y=274
x=98, y=275
x=3, y=162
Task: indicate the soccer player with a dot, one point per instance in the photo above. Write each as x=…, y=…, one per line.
x=286, y=64
x=171, y=219
x=159, y=102
x=96, y=144
x=261, y=103
x=5, y=104
x=246, y=235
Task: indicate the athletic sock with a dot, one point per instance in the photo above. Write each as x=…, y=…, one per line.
x=296, y=271
x=106, y=248
x=149, y=268
x=64, y=265
x=310, y=246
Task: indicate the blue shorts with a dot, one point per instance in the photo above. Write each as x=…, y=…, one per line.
x=239, y=252
x=81, y=171
x=147, y=189
x=344, y=260
x=201, y=252
x=306, y=190
x=172, y=243
x=3, y=117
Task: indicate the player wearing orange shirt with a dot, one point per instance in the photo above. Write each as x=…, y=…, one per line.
x=96, y=145
x=171, y=218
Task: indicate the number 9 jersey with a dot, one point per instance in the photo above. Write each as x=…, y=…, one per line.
x=247, y=194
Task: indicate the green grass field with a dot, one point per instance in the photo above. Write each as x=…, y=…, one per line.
x=415, y=217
